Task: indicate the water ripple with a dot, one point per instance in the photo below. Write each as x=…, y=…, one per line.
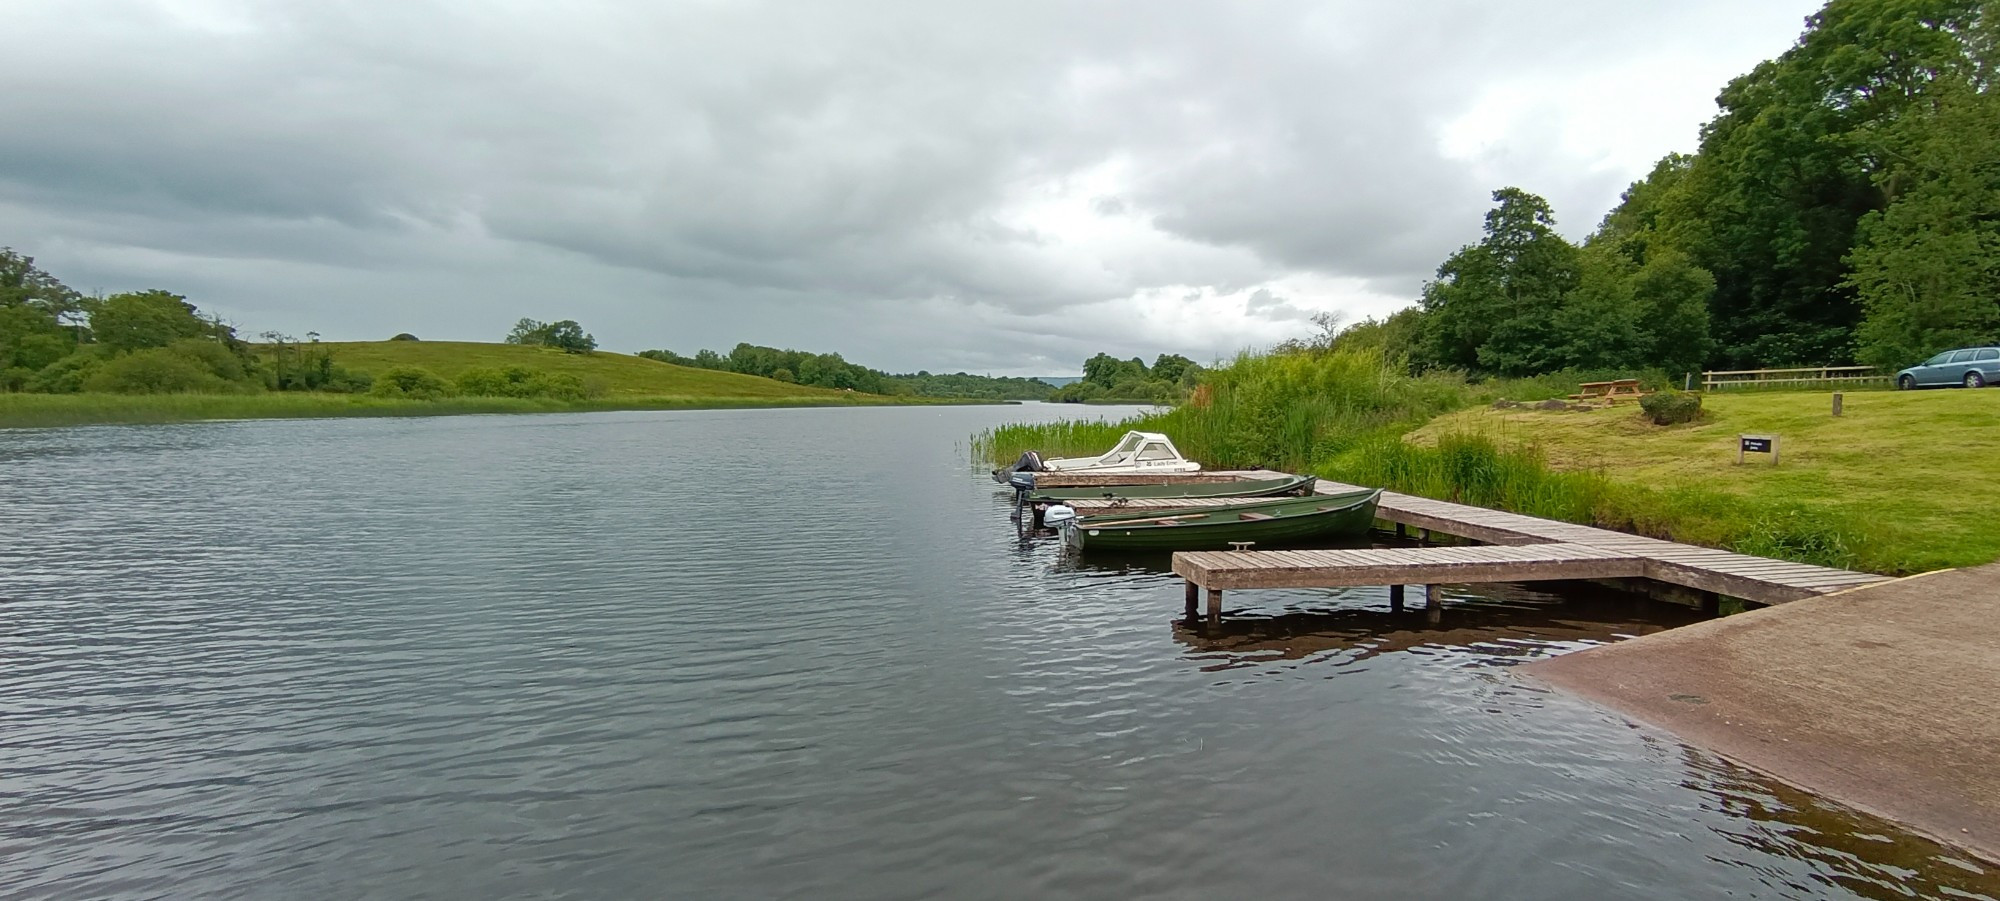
x=684, y=654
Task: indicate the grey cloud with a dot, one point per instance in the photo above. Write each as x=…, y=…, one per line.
x=729, y=170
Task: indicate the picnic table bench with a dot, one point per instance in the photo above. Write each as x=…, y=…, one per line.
x=1609, y=392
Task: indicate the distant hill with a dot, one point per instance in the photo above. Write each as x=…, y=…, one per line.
x=619, y=374
x=1058, y=380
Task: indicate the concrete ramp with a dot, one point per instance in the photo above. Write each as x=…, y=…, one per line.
x=1884, y=697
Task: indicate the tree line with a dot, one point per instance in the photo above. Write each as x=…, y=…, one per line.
x=831, y=370
x=54, y=340
x=1107, y=378
x=1842, y=206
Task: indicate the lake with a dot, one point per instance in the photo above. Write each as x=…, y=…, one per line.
x=785, y=654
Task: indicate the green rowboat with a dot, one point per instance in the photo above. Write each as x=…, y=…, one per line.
x=1267, y=523
x=1244, y=488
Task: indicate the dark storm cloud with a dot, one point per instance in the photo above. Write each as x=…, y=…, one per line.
x=985, y=175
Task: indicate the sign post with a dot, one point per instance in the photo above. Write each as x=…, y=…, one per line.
x=1757, y=444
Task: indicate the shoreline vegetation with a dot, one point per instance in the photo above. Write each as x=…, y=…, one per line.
x=1899, y=484
x=152, y=357
x=19, y=411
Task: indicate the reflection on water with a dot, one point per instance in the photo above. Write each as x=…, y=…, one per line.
x=1500, y=625
x=1851, y=850
x=690, y=655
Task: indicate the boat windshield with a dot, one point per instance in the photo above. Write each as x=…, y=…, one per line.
x=1124, y=450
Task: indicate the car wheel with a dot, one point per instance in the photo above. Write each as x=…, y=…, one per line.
x=1975, y=380
x=1906, y=383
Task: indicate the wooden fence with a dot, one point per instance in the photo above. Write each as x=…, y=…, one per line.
x=1818, y=375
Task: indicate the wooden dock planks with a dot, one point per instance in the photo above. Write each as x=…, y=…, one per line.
x=1221, y=570
x=1756, y=579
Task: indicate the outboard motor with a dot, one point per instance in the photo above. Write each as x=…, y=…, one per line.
x=1023, y=484
x=1056, y=515
x=1029, y=462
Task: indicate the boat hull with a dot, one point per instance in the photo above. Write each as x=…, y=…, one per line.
x=1245, y=488
x=1287, y=523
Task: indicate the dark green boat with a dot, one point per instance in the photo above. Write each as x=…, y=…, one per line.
x=1244, y=488
x=1267, y=523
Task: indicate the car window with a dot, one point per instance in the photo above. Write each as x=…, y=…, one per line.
x=1961, y=356
x=1988, y=354
x=1940, y=358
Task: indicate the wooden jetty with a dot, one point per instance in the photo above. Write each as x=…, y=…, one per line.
x=1515, y=548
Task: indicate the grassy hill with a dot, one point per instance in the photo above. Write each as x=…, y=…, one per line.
x=1913, y=470
x=628, y=383
x=619, y=374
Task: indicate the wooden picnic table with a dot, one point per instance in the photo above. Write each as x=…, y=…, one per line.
x=1609, y=392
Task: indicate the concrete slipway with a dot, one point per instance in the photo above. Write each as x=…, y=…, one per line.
x=1884, y=697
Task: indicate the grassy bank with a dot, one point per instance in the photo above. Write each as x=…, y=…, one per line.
x=615, y=375
x=51, y=410
x=1901, y=483
x=615, y=382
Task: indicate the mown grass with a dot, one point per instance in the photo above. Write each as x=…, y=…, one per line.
x=1902, y=483
x=53, y=410
x=613, y=374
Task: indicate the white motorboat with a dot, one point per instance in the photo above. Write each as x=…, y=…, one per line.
x=1137, y=452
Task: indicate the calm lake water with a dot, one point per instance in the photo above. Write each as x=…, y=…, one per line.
x=783, y=654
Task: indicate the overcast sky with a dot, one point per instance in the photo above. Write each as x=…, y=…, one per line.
x=999, y=187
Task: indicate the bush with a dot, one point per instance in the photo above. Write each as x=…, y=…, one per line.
x=405, y=336
x=155, y=371
x=67, y=375
x=1671, y=407
x=414, y=382
x=517, y=381
x=211, y=355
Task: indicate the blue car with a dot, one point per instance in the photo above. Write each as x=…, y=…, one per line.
x=1973, y=367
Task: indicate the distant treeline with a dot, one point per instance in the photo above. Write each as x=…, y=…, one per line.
x=830, y=370
x=1843, y=206
x=1107, y=378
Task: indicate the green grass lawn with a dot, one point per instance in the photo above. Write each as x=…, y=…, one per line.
x=1916, y=473
x=618, y=374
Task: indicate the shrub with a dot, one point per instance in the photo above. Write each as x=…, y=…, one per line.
x=15, y=378
x=1671, y=407
x=154, y=371
x=67, y=375
x=517, y=381
x=220, y=361
x=405, y=336
x=413, y=382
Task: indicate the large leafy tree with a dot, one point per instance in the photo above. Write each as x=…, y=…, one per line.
x=142, y=319
x=1789, y=167
x=564, y=334
x=36, y=313
x=1927, y=268
x=1494, y=304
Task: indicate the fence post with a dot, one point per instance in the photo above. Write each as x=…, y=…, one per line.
x=1836, y=403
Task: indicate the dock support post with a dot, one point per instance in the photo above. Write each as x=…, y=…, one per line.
x=1215, y=605
x=1402, y=531
x=1395, y=599
x=1711, y=604
x=1193, y=595
x=1427, y=536
x=1433, y=604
